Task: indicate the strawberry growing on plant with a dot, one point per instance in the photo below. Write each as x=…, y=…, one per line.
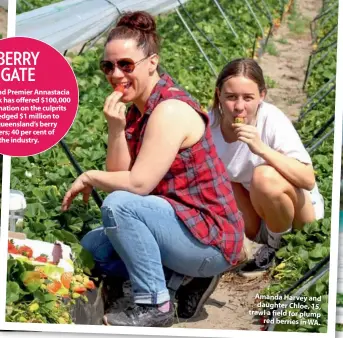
x=90, y=285
x=80, y=289
x=66, y=279
x=54, y=287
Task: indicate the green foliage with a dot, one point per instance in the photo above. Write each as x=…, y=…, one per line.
x=303, y=249
x=29, y=5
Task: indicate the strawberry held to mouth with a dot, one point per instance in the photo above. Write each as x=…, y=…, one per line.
x=120, y=87
x=239, y=120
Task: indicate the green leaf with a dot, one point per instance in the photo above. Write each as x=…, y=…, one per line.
x=325, y=307
x=31, y=279
x=50, y=305
x=12, y=292
x=49, y=297
x=38, y=227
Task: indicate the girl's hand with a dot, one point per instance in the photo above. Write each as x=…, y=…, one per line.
x=249, y=135
x=114, y=111
x=227, y=129
x=80, y=185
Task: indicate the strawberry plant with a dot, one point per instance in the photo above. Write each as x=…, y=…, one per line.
x=303, y=249
x=42, y=293
x=29, y=5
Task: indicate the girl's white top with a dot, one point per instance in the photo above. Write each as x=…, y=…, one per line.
x=275, y=129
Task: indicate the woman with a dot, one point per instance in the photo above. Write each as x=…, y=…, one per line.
x=170, y=202
x=271, y=172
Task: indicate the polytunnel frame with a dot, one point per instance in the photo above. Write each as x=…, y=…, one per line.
x=327, y=87
x=323, y=266
x=317, y=272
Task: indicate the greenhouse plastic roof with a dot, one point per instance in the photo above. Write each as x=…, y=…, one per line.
x=68, y=23
x=4, y=3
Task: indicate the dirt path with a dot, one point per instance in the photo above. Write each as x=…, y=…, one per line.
x=286, y=58
x=284, y=64
x=3, y=22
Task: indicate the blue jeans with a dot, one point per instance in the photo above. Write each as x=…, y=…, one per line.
x=147, y=235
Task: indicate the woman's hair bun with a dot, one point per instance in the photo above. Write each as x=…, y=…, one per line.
x=138, y=20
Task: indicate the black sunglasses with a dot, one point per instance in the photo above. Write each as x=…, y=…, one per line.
x=126, y=65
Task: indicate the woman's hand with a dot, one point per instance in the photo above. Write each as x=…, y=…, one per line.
x=80, y=185
x=114, y=111
x=249, y=135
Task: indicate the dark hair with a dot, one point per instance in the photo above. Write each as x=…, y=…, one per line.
x=238, y=67
x=139, y=26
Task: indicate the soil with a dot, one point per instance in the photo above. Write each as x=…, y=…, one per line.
x=288, y=67
x=3, y=22
x=285, y=65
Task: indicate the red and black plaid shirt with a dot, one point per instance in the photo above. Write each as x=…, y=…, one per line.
x=197, y=184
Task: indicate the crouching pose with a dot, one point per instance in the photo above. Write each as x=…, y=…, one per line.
x=271, y=172
x=170, y=201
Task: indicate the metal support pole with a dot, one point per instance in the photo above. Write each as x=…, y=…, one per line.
x=321, y=89
x=301, y=290
x=270, y=17
x=329, y=17
x=309, y=70
x=225, y=18
x=319, y=142
x=202, y=32
x=319, y=16
x=255, y=17
x=332, y=44
x=322, y=129
x=331, y=32
x=268, y=36
x=197, y=43
x=313, y=105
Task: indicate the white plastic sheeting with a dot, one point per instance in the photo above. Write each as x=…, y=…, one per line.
x=68, y=23
x=4, y=4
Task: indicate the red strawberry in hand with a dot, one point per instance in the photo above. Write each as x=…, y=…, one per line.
x=120, y=88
